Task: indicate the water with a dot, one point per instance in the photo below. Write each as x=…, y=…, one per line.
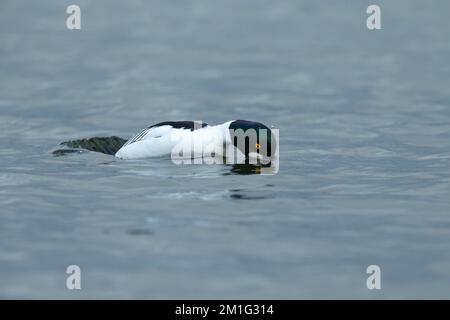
x=364, y=119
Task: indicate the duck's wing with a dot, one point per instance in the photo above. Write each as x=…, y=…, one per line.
x=162, y=128
x=150, y=132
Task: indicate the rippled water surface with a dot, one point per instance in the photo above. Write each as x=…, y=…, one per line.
x=364, y=119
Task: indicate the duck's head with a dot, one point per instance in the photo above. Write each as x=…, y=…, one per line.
x=255, y=140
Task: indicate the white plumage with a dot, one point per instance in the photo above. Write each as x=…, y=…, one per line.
x=167, y=140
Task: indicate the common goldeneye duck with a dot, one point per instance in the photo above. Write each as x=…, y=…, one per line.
x=241, y=139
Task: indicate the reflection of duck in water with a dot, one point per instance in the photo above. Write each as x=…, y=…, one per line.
x=248, y=142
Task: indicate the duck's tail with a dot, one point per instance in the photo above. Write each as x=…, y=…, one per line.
x=107, y=145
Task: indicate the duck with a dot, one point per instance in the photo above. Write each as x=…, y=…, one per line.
x=235, y=141
x=242, y=140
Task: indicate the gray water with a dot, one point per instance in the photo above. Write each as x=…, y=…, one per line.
x=364, y=120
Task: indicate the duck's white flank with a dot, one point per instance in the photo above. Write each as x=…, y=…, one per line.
x=165, y=141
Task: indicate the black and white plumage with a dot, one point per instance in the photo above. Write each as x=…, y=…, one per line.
x=195, y=139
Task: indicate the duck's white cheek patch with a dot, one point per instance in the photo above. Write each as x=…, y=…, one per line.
x=254, y=157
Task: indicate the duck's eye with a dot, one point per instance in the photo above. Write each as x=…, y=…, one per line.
x=257, y=146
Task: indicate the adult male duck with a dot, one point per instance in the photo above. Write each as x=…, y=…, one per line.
x=189, y=139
